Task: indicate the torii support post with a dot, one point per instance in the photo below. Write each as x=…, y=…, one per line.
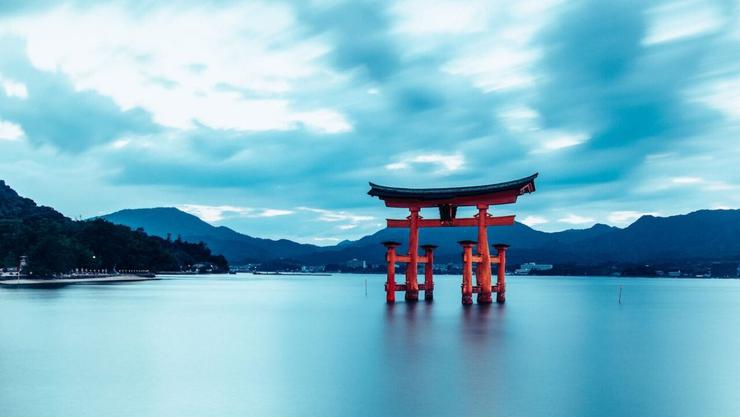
x=501, y=278
x=412, y=283
x=390, y=285
x=483, y=270
x=429, y=272
x=467, y=282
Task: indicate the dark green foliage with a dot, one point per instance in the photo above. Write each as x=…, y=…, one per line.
x=56, y=244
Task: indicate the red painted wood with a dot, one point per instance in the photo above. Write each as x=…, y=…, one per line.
x=406, y=259
x=467, y=281
x=483, y=269
x=397, y=286
x=412, y=283
x=466, y=222
x=428, y=273
x=390, y=286
x=503, y=197
x=501, y=278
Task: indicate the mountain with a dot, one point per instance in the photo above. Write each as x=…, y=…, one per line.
x=709, y=235
x=703, y=234
x=55, y=244
x=236, y=247
x=523, y=239
x=706, y=235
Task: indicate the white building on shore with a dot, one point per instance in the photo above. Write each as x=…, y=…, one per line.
x=529, y=267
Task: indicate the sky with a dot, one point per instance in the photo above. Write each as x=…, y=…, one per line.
x=271, y=117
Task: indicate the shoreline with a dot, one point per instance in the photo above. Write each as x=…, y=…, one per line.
x=34, y=282
x=308, y=274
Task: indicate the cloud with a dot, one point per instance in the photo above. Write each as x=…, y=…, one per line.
x=705, y=184
x=602, y=79
x=372, y=55
x=324, y=121
x=621, y=107
x=10, y=131
x=534, y=220
x=558, y=140
x=722, y=95
x=14, y=88
x=520, y=119
x=446, y=163
x=576, y=219
x=687, y=180
x=274, y=213
x=326, y=240
x=336, y=216
x=219, y=213
x=120, y=143
x=53, y=112
x=242, y=76
x=213, y=213
x=679, y=20
x=499, y=68
x=622, y=218
x=504, y=56
x=441, y=17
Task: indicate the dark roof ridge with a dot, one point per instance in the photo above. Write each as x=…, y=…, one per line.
x=449, y=192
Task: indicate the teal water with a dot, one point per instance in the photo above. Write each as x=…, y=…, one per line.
x=318, y=346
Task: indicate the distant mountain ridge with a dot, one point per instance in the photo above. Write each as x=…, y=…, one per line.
x=236, y=247
x=701, y=235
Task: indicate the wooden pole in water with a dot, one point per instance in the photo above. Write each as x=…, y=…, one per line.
x=501, y=278
x=412, y=283
x=483, y=272
x=390, y=285
x=428, y=272
x=467, y=282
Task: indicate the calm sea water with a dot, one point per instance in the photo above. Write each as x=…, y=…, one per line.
x=318, y=346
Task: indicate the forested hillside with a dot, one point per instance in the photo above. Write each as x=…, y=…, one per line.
x=54, y=243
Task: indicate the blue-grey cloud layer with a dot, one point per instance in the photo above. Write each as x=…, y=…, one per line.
x=634, y=102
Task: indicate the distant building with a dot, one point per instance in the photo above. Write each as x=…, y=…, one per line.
x=312, y=268
x=356, y=264
x=9, y=272
x=529, y=267
x=23, y=264
x=244, y=268
x=448, y=268
x=203, y=267
x=21, y=269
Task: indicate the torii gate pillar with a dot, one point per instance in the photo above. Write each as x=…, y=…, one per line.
x=412, y=283
x=483, y=271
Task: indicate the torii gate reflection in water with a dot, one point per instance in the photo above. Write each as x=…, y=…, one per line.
x=448, y=200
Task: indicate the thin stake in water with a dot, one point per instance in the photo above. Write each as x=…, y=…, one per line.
x=620, y=295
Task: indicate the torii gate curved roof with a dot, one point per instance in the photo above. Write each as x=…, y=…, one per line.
x=499, y=193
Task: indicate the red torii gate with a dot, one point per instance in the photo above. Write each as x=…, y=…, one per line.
x=448, y=200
